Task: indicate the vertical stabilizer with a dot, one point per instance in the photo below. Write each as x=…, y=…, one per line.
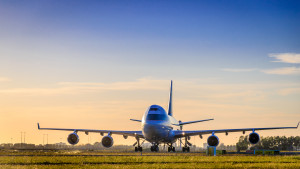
x=170, y=111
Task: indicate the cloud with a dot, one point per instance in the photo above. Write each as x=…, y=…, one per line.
x=283, y=71
x=192, y=88
x=139, y=84
x=280, y=57
x=4, y=79
x=288, y=91
x=86, y=87
x=240, y=70
x=286, y=57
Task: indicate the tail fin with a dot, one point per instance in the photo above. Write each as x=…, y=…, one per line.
x=170, y=111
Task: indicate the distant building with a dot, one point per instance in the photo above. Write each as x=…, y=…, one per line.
x=60, y=144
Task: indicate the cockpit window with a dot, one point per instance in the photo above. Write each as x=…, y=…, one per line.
x=156, y=117
x=153, y=109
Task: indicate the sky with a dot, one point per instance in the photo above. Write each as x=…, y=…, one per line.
x=96, y=64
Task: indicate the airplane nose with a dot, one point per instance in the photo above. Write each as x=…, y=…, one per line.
x=155, y=131
x=151, y=129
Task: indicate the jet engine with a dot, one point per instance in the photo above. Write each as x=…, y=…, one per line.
x=73, y=138
x=107, y=141
x=254, y=138
x=213, y=140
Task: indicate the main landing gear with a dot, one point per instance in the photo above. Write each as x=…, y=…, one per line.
x=186, y=147
x=139, y=147
x=171, y=148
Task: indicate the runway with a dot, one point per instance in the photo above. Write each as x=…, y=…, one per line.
x=146, y=160
x=133, y=155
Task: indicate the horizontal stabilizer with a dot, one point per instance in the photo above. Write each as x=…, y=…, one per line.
x=136, y=120
x=190, y=122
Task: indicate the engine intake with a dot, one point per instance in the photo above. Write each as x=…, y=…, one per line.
x=254, y=138
x=107, y=141
x=73, y=138
x=213, y=140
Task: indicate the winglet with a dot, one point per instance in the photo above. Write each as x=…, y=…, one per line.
x=38, y=125
x=298, y=124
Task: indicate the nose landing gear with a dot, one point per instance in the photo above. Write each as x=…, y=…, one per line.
x=139, y=148
x=155, y=148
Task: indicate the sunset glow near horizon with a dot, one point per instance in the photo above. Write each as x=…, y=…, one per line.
x=96, y=64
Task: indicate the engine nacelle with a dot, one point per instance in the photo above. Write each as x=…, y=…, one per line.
x=73, y=138
x=254, y=138
x=213, y=140
x=107, y=141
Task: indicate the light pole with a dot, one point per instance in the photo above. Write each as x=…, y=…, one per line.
x=21, y=138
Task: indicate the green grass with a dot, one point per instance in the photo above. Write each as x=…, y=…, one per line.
x=165, y=160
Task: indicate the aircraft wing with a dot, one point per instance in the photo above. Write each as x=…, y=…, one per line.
x=179, y=133
x=126, y=133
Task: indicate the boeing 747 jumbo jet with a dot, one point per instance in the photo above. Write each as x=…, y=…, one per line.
x=160, y=127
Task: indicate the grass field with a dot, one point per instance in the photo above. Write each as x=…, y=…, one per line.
x=134, y=160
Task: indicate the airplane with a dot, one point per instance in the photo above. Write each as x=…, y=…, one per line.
x=160, y=127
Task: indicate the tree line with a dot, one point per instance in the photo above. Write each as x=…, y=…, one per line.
x=270, y=143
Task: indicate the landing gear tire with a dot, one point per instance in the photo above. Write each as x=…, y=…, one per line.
x=154, y=148
x=185, y=149
x=136, y=149
x=171, y=149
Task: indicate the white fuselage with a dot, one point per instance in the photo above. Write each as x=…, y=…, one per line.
x=158, y=126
